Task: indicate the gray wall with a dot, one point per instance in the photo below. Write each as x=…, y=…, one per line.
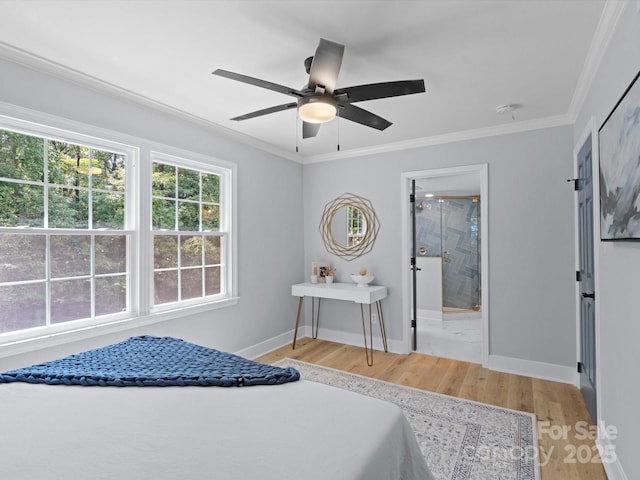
x=531, y=235
x=619, y=265
x=268, y=231
x=532, y=296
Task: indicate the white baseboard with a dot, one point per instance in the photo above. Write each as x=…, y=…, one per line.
x=356, y=339
x=530, y=368
x=262, y=348
x=611, y=462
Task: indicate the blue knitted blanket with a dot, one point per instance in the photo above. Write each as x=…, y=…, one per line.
x=153, y=361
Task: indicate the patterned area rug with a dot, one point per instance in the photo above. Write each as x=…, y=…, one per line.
x=460, y=439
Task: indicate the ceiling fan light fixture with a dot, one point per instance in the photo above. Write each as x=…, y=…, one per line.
x=317, y=109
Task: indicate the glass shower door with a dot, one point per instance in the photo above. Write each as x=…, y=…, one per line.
x=460, y=254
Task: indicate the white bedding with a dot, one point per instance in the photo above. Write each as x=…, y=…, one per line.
x=301, y=430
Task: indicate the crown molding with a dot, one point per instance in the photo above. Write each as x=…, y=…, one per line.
x=609, y=19
x=48, y=67
x=507, y=129
x=611, y=14
x=43, y=65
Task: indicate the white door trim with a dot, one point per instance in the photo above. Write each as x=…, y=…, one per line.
x=483, y=171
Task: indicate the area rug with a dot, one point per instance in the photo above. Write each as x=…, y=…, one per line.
x=460, y=439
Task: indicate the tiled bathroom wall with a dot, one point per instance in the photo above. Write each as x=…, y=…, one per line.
x=449, y=228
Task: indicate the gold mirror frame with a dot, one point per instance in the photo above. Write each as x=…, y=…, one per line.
x=371, y=220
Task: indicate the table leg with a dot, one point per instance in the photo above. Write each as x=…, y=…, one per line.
x=315, y=317
x=367, y=350
x=295, y=332
x=382, y=329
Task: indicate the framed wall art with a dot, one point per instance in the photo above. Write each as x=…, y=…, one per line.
x=619, y=145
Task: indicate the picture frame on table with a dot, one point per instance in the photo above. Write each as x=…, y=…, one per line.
x=321, y=269
x=619, y=147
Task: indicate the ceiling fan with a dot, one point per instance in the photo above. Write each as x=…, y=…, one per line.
x=319, y=101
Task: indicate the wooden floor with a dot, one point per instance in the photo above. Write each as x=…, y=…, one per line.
x=565, y=433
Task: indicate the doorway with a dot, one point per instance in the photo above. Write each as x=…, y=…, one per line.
x=448, y=314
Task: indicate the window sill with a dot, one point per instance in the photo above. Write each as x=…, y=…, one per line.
x=26, y=345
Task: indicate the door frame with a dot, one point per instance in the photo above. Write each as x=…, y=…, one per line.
x=590, y=130
x=482, y=170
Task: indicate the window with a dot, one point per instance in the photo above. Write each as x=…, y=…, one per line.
x=63, y=241
x=80, y=246
x=189, y=232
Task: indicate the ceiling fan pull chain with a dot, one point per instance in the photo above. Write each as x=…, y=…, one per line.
x=297, y=130
x=338, y=121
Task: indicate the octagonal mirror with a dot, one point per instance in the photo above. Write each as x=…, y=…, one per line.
x=349, y=226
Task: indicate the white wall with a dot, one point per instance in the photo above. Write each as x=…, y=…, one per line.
x=269, y=210
x=619, y=267
x=429, y=284
x=531, y=236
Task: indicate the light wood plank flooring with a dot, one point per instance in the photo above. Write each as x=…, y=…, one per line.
x=557, y=405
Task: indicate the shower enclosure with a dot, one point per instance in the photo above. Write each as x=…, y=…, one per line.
x=448, y=228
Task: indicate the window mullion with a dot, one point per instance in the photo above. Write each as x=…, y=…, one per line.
x=45, y=182
x=90, y=190
x=141, y=248
x=203, y=289
x=92, y=271
x=48, y=280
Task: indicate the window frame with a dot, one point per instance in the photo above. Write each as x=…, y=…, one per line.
x=139, y=153
x=225, y=229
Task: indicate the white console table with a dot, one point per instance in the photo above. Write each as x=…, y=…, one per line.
x=366, y=295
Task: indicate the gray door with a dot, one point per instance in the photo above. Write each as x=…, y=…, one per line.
x=414, y=268
x=585, y=277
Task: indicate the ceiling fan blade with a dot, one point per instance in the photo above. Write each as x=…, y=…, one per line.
x=259, y=83
x=362, y=116
x=326, y=66
x=374, y=91
x=266, y=111
x=310, y=129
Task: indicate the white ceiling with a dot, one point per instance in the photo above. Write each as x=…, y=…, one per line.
x=473, y=55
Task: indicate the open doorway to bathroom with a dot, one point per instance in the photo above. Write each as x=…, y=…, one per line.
x=448, y=293
x=447, y=314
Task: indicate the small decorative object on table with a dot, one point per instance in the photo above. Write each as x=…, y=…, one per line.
x=321, y=270
x=329, y=274
x=363, y=278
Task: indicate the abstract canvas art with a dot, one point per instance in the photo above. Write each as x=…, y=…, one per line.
x=619, y=140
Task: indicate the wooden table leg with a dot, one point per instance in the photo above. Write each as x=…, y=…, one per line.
x=295, y=332
x=369, y=349
x=382, y=329
x=315, y=317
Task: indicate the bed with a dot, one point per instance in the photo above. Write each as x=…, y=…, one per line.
x=293, y=429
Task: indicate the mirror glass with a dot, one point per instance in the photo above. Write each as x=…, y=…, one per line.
x=348, y=226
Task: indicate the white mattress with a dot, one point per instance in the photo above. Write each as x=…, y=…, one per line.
x=301, y=430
